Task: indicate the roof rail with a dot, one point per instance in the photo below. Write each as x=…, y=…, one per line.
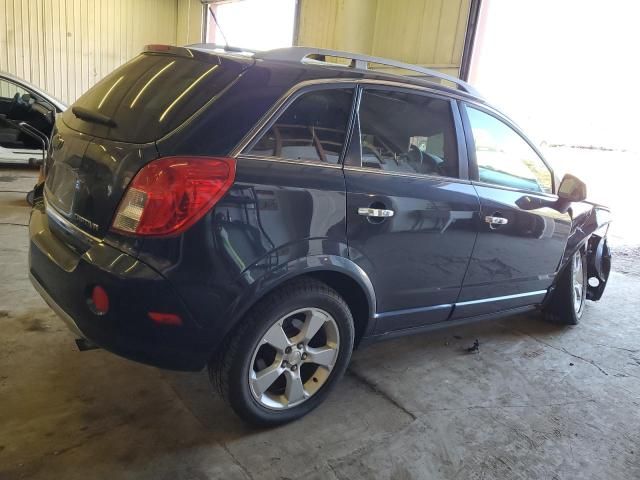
x=300, y=54
x=216, y=46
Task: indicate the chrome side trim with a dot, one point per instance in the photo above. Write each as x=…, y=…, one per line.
x=289, y=161
x=71, y=324
x=459, y=304
x=438, y=178
x=499, y=299
x=551, y=196
x=51, y=211
x=409, y=311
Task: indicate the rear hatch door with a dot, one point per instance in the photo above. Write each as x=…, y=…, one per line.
x=88, y=177
x=109, y=134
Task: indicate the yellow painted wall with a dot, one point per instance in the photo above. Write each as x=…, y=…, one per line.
x=189, y=22
x=423, y=32
x=65, y=46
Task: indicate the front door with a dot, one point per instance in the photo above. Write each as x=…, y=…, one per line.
x=410, y=215
x=17, y=105
x=521, y=236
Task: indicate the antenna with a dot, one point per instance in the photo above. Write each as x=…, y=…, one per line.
x=215, y=19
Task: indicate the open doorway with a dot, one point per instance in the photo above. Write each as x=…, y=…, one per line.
x=562, y=71
x=252, y=24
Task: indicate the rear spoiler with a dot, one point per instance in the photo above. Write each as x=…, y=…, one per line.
x=200, y=51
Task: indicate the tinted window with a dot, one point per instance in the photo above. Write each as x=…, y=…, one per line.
x=152, y=95
x=504, y=157
x=409, y=133
x=312, y=128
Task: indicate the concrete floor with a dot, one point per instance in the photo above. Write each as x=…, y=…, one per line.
x=537, y=401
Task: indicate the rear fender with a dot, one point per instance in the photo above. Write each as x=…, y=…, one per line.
x=259, y=281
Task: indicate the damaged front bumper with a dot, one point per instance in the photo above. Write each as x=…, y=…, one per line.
x=598, y=265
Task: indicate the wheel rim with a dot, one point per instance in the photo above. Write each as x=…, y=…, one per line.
x=578, y=282
x=294, y=359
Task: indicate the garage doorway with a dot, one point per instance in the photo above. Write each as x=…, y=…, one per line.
x=252, y=24
x=562, y=71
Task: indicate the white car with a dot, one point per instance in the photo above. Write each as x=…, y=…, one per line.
x=22, y=102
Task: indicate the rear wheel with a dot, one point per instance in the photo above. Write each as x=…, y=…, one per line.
x=567, y=303
x=287, y=354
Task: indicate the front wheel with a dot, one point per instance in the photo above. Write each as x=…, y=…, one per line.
x=287, y=354
x=567, y=302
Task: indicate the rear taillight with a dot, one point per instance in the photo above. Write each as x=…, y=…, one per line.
x=170, y=194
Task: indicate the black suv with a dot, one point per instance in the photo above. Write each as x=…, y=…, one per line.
x=264, y=214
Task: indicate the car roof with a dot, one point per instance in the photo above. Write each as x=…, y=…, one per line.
x=314, y=59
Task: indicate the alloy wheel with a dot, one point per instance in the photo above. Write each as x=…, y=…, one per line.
x=294, y=358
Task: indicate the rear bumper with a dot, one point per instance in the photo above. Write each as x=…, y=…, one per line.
x=71, y=324
x=65, y=277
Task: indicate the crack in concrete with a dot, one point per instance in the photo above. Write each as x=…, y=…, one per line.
x=358, y=452
x=334, y=471
x=236, y=461
x=562, y=349
x=203, y=424
x=378, y=391
x=493, y=407
x=14, y=224
x=617, y=348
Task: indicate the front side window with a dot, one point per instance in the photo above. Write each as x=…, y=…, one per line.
x=312, y=128
x=10, y=136
x=8, y=90
x=407, y=133
x=504, y=157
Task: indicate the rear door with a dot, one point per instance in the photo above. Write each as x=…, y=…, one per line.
x=521, y=236
x=288, y=198
x=410, y=208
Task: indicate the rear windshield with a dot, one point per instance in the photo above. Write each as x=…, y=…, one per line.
x=151, y=95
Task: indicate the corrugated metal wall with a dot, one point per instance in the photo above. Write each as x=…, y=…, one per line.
x=423, y=32
x=65, y=46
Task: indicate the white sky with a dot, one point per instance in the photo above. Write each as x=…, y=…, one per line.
x=567, y=71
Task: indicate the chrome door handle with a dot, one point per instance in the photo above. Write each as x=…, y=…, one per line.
x=496, y=220
x=375, y=212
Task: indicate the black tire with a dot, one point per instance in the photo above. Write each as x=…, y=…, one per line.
x=230, y=371
x=564, y=307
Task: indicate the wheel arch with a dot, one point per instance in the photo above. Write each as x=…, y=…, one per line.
x=340, y=273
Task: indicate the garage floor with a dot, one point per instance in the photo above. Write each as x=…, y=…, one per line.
x=537, y=401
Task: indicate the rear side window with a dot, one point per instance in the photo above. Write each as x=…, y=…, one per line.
x=312, y=128
x=407, y=133
x=152, y=95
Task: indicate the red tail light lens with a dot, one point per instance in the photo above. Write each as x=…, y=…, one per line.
x=165, y=318
x=170, y=194
x=99, y=300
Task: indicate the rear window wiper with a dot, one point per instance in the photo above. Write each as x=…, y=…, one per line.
x=91, y=116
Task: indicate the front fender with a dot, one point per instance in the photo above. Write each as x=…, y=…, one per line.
x=281, y=265
x=589, y=228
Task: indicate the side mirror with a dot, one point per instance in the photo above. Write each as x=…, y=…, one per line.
x=572, y=189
